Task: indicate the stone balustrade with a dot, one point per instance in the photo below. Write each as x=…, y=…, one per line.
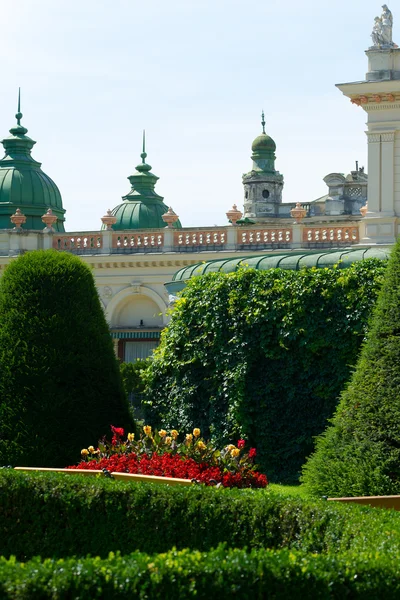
x=289, y=235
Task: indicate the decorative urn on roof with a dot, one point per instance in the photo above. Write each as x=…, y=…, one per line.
x=49, y=219
x=108, y=220
x=298, y=213
x=234, y=214
x=18, y=219
x=170, y=217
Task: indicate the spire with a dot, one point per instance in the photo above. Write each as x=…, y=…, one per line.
x=263, y=121
x=144, y=155
x=19, y=129
x=143, y=167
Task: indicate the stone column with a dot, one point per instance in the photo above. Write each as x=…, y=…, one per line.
x=297, y=235
x=106, y=235
x=374, y=172
x=387, y=173
x=231, y=237
x=168, y=239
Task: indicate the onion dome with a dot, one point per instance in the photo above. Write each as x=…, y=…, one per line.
x=142, y=207
x=263, y=148
x=23, y=184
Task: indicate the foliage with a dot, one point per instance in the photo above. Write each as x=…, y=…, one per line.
x=58, y=515
x=59, y=379
x=359, y=454
x=157, y=453
x=220, y=573
x=133, y=381
x=262, y=355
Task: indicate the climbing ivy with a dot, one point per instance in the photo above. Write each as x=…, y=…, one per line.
x=262, y=355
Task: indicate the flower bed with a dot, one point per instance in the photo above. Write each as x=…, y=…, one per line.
x=157, y=453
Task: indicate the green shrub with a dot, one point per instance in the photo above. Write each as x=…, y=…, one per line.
x=262, y=355
x=220, y=573
x=359, y=454
x=58, y=515
x=133, y=381
x=59, y=379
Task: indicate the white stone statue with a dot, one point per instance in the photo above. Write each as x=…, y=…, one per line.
x=382, y=30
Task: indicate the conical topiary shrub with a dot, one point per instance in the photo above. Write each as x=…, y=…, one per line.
x=60, y=387
x=359, y=454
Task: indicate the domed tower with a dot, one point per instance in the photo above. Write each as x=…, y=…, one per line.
x=142, y=208
x=23, y=184
x=263, y=185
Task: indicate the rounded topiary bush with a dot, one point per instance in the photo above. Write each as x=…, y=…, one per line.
x=359, y=454
x=60, y=386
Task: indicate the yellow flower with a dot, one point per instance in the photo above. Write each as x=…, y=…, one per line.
x=84, y=452
x=230, y=447
x=174, y=434
x=147, y=430
x=162, y=433
x=201, y=445
x=196, y=432
x=189, y=437
x=91, y=449
x=168, y=440
x=131, y=437
x=235, y=452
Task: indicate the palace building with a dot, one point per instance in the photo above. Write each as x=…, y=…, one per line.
x=141, y=254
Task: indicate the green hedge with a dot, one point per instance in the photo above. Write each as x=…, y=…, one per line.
x=56, y=515
x=262, y=355
x=359, y=453
x=221, y=573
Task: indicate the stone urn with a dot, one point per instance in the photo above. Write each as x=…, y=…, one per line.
x=234, y=215
x=49, y=219
x=364, y=209
x=298, y=213
x=18, y=219
x=170, y=217
x=108, y=220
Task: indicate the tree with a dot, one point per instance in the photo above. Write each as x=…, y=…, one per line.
x=359, y=453
x=60, y=387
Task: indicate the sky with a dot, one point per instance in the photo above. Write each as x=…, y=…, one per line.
x=196, y=75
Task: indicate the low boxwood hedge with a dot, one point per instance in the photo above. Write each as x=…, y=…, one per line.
x=221, y=573
x=56, y=515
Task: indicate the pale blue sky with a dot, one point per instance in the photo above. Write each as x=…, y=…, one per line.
x=195, y=75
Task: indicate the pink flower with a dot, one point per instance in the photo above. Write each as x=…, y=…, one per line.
x=252, y=452
x=241, y=444
x=118, y=431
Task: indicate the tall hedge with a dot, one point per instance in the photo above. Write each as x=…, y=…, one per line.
x=359, y=454
x=60, y=386
x=262, y=355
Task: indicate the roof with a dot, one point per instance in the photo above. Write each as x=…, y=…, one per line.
x=23, y=184
x=295, y=260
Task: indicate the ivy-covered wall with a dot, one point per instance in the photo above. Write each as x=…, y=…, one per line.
x=262, y=355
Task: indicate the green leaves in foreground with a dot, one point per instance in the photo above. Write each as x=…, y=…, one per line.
x=220, y=573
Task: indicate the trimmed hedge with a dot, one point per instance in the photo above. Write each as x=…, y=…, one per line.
x=57, y=515
x=359, y=454
x=262, y=355
x=220, y=573
x=59, y=379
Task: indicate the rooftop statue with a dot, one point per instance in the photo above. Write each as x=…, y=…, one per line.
x=382, y=30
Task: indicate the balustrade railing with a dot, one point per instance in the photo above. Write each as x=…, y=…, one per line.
x=138, y=241
x=264, y=236
x=76, y=242
x=323, y=235
x=199, y=238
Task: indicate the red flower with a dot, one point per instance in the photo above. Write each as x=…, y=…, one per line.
x=118, y=431
x=241, y=444
x=252, y=452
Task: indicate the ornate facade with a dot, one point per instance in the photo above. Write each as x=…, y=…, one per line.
x=142, y=244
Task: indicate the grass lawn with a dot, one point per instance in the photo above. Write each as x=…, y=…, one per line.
x=288, y=490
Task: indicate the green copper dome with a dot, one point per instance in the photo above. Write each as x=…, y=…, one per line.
x=263, y=142
x=23, y=184
x=142, y=208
